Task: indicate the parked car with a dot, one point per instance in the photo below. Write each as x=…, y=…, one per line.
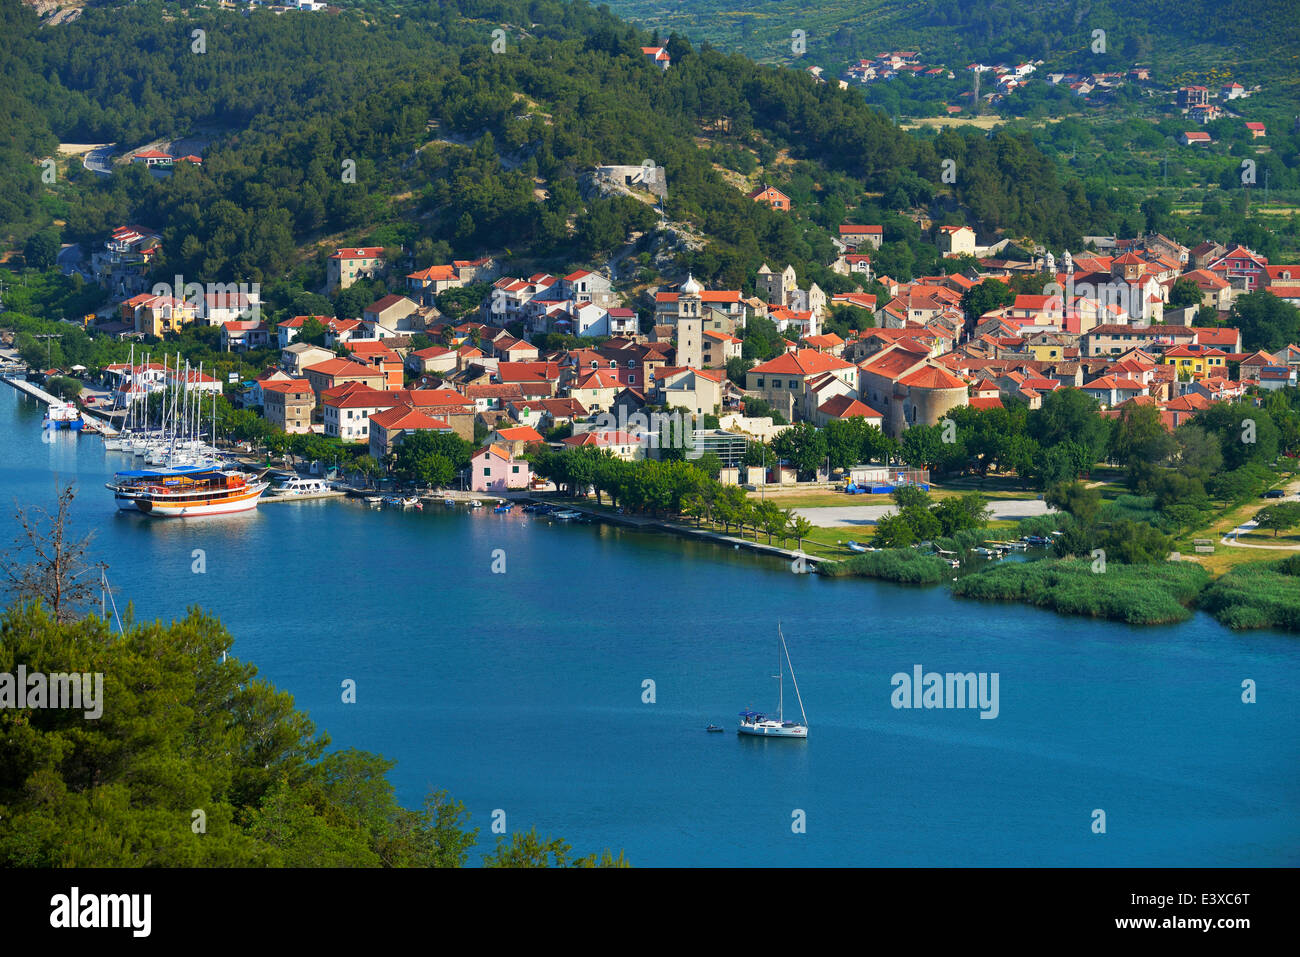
x=1274, y=493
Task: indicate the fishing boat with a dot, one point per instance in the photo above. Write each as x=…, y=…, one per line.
x=449, y=502
x=374, y=501
x=759, y=724
x=187, y=492
x=503, y=507
x=476, y=504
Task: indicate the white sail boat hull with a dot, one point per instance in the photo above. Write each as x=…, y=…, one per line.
x=772, y=729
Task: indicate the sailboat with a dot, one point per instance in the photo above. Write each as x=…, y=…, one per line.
x=756, y=723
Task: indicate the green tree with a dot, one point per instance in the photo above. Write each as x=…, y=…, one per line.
x=1279, y=518
x=985, y=297
x=1266, y=322
x=922, y=446
x=1184, y=293
x=959, y=513
x=893, y=531
x=799, y=528
x=419, y=460
x=1069, y=415
x=804, y=446
x=313, y=332
x=530, y=850
x=41, y=250
x=1076, y=498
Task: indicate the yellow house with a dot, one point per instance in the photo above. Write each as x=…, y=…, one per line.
x=1197, y=362
x=156, y=315
x=1047, y=347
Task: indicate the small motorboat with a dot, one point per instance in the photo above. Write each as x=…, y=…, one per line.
x=374, y=501
x=399, y=501
x=714, y=729
x=476, y=504
x=503, y=507
x=449, y=502
x=568, y=515
x=857, y=547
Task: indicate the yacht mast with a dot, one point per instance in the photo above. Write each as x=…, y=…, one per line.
x=792, y=677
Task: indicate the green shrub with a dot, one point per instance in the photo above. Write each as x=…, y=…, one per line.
x=1257, y=595
x=1042, y=525
x=1139, y=595
x=901, y=565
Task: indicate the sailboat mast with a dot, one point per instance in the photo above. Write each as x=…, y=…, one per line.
x=802, y=713
x=780, y=684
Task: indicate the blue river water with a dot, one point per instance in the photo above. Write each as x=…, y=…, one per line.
x=524, y=691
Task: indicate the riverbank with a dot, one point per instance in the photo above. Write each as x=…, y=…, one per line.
x=1155, y=594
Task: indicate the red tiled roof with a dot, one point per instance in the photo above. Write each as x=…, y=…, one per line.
x=337, y=367
x=435, y=274
x=802, y=362
x=407, y=417
x=358, y=252
x=520, y=433
x=847, y=407
x=932, y=377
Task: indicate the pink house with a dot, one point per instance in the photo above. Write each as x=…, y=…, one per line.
x=494, y=469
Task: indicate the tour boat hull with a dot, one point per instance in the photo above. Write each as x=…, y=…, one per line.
x=243, y=502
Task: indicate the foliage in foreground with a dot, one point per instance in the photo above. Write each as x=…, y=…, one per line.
x=895, y=564
x=1137, y=594
x=197, y=762
x=1257, y=595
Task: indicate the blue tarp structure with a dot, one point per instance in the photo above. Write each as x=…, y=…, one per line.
x=168, y=473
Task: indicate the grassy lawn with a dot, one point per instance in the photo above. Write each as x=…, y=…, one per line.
x=819, y=499
x=1225, y=556
x=992, y=489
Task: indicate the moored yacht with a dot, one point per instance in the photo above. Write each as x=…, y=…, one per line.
x=186, y=491
x=760, y=725
x=300, y=485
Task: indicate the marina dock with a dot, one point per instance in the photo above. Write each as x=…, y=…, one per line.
x=302, y=496
x=95, y=423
